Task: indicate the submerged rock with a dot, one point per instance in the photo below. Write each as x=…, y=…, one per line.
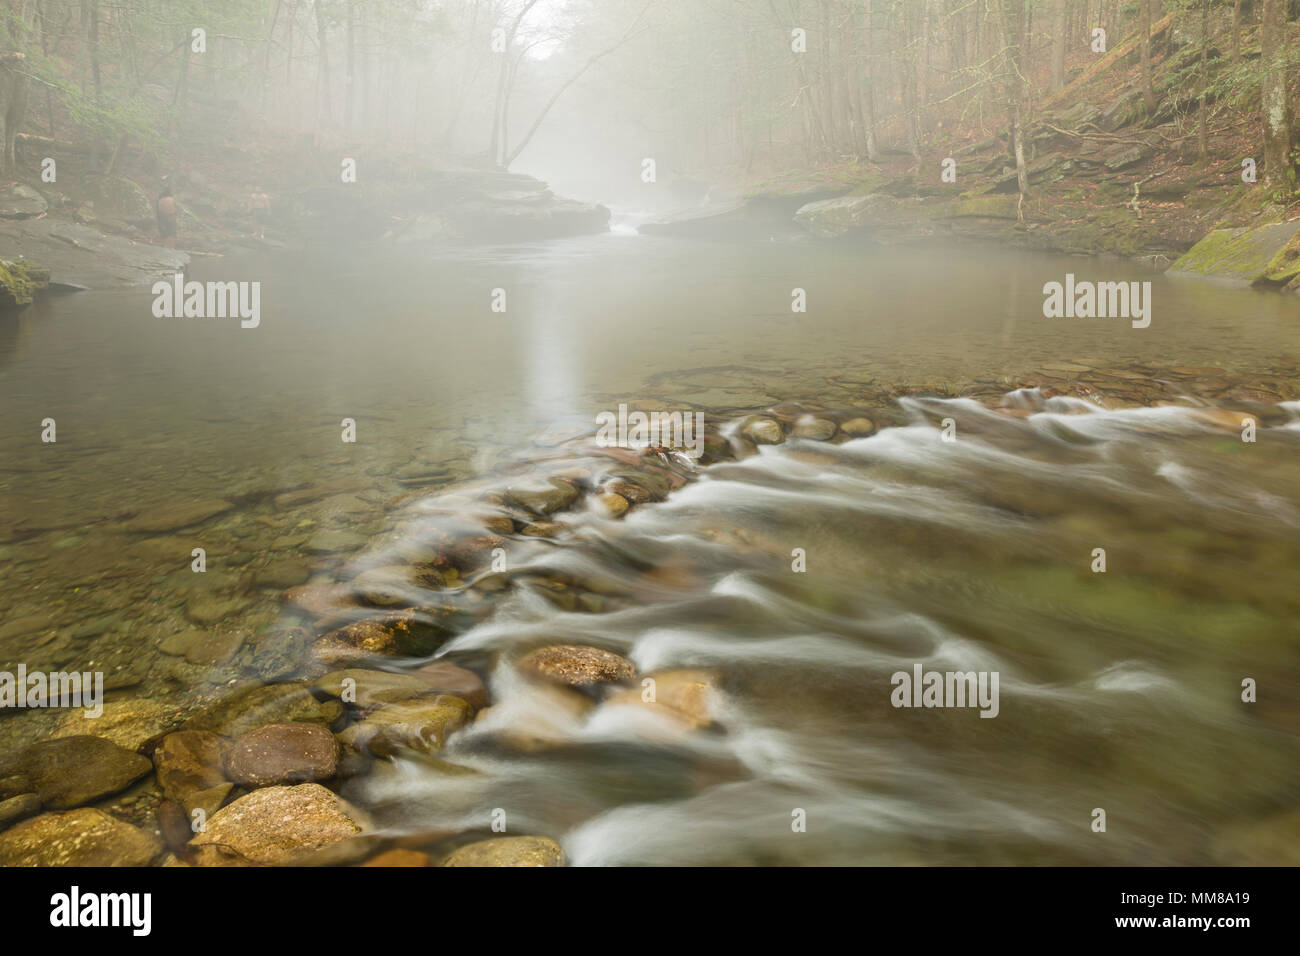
x=509, y=851
x=135, y=724
x=414, y=633
x=83, y=837
x=274, y=825
x=367, y=688
x=70, y=771
x=172, y=517
x=189, y=761
x=252, y=707
x=422, y=724
x=682, y=695
x=444, y=678
x=543, y=497
x=18, y=808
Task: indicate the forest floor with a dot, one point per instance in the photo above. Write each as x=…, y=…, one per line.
x=1105, y=177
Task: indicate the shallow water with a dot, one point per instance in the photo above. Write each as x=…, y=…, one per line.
x=1118, y=690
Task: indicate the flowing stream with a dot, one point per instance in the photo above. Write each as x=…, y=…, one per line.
x=1120, y=690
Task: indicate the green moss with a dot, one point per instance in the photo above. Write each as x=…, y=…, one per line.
x=1285, y=266
x=995, y=206
x=1248, y=254
x=19, y=283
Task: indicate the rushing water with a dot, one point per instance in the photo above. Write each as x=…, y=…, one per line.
x=1118, y=690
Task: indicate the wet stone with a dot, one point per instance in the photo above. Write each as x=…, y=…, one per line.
x=509, y=851
x=85, y=837
x=543, y=497
x=188, y=762
x=18, y=808
x=71, y=771
x=422, y=725
x=274, y=825
x=573, y=665
x=282, y=753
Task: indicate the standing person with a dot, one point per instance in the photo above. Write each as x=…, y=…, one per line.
x=166, y=210
x=260, y=205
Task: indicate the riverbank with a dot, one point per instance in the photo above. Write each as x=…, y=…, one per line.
x=91, y=230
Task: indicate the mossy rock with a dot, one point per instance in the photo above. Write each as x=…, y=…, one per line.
x=992, y=206
x=1284, y=268
x=119, y=198
x=19, y=283
x=1252, y=255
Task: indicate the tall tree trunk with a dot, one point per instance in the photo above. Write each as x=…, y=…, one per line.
x=1148, y=85
x=322, y=65
x=869, y=83
x=1276, y=110
x=349, y=78
x=1202, y=144
x=1012, y=18
x=495, y=148
x=1058, y=45
x=1236, y=32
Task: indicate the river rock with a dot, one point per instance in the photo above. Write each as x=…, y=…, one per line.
x=282, y=574
x=575, y=665
x=21, y=202
x=189, y=761
x=251, y=707
x=135, y=724
x=282, y=753
x=1248, y=254
x=832, y=218
x=119, y=198
x=414, y=633
x=18, y=808
x=615, y=505
x=14, y=784
x=422, y=724
x=814, y=428
x=155, y=520
x=207, y=648
x=542, y=497
x=858, y=427
x=509, y=851
x=370, y=688
x=208, y=800
x=301, y=496
x=762, y=430
x=399, y=857
x=683, y=695
x=445, y=678
x=629, y=491
x=70, y=771
x=335, y=542
x=385, y=587
x=273, y=825
x=84, y=837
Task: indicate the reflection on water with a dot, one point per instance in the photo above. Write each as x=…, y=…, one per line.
x=1119, y=690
